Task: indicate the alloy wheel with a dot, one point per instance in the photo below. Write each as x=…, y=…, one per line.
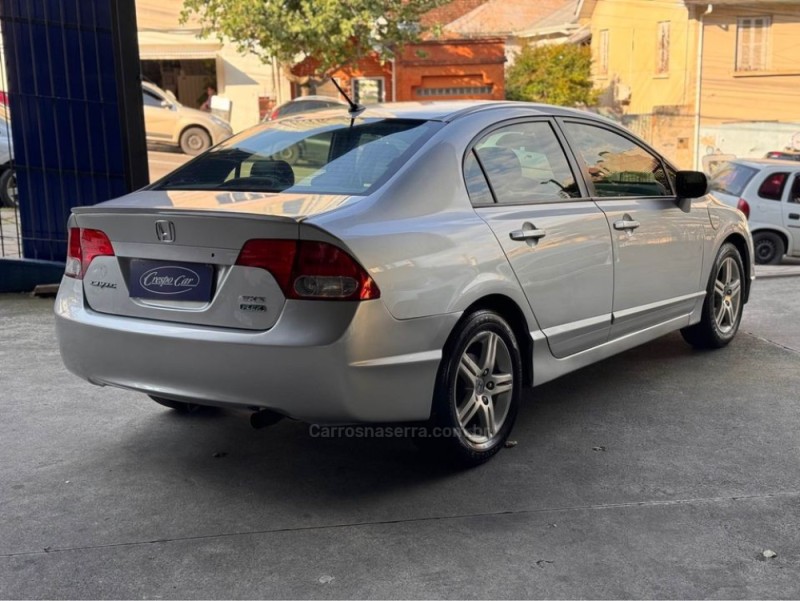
x=727, y=295
x=484, y=387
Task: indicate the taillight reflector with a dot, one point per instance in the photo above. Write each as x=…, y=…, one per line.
x=310, y=270
x=82, y=247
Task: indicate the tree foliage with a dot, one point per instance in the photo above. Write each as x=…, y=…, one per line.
x=332, y=32
x=556, y=74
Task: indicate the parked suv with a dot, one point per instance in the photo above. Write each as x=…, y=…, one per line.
x=768, y=192
x=167, y=121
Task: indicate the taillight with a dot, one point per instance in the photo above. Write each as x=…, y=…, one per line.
x=310, y=270
x=83, y=246
x=744, y=207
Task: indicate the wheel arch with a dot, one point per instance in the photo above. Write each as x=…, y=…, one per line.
x=773, y=230
x=509, y=310
x=738, y=240
x=198, y=126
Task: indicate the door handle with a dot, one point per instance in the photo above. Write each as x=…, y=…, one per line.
x=626, y=224
x=794, y=216
x=532, y=234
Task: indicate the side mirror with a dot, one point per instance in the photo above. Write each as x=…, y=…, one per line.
x=691, y=184
x=166, y=104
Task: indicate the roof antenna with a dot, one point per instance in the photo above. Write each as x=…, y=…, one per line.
x=355, y=108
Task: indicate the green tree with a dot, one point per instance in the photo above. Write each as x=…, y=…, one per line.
x=555, y=74
x=333, y=33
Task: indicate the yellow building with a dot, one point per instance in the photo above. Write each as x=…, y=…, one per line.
x=697, y=78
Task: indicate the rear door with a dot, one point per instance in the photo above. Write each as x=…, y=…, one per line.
x=556, y=240
x=658, y=243
x=791, y=214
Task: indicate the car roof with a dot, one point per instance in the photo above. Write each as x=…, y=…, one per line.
x=449, y=110
x=317, y=97
x=765, y=163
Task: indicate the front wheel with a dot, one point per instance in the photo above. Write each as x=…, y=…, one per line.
x=477, y=392
x=195, y=140
x=722, y=308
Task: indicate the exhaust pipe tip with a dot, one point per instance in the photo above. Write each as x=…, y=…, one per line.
x=264, y=418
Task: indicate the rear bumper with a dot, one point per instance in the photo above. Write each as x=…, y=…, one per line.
x=321, y=362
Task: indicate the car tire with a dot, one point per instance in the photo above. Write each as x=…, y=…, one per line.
x=477, y=392
x=291, y=154
x=178, y=406
x=723, y=305
x=8, y=188
x=769, y=248
x=195, y=140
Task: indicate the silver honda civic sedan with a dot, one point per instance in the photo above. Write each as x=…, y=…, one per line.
x=424, y=265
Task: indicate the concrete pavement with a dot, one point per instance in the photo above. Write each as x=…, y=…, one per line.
x=662, y=472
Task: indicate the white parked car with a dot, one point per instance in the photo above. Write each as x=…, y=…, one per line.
x=433, y=262
x=768, y=192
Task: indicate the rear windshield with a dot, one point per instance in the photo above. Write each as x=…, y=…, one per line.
x=322, y=156
x=732, y=179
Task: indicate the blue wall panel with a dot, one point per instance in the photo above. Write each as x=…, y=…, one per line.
x=76, y=114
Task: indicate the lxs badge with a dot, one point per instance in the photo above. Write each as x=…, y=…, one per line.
x=253, y=304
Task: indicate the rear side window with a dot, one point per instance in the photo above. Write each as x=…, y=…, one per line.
x=795, y=195
x=618, y=166
x=732, y=178
x=526, y=164
x=477, y=187
x=772, y=187
x=324, y=156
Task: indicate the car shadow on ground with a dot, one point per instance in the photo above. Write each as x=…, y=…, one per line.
x=283, y=462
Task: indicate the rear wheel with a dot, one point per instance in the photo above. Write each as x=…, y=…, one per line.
x=769, y=248
x=722, y=308
x=477, y=392
x=178, y=406
x=195, y=140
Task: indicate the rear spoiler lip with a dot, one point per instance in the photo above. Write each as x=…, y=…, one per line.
x=99, y=210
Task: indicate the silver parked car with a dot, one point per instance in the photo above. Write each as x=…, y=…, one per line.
x=442, y=257
x=167, y=121
x=768, y=193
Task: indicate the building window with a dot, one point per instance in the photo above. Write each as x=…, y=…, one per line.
x=662, y=49
x=602, y=53
x=465, y=91
x=752, y=41
x=367, y=90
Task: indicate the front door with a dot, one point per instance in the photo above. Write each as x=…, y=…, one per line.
x=658, y=242
x=556, y=240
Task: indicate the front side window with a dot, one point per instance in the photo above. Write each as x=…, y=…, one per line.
x=151, y=99
x=752, y=42
x=616, y=165
x=526, y=164
x=772, y=187
x=323, y=156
